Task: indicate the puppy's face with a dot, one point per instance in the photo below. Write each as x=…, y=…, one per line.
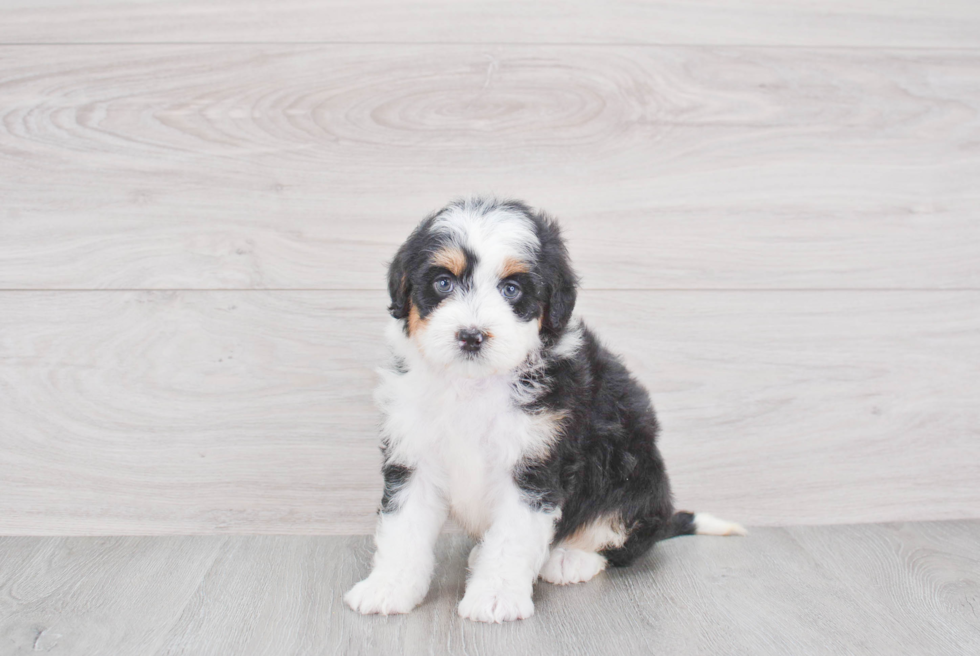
x=480, y=286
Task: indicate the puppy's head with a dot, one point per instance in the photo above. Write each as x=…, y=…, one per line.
x=481, y=285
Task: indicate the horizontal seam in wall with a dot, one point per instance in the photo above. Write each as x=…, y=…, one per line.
x=461, y=44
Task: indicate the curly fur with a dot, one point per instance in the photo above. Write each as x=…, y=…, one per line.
x=503, y=411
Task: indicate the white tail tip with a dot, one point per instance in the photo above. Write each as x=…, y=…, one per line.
x=705, y=524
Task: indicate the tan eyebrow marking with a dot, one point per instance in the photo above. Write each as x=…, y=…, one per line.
x=451, y=258
x=512, y=266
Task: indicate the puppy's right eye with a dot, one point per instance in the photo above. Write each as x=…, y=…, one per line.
x=444, y=284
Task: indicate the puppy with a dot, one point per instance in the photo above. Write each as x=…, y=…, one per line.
x=501, y=410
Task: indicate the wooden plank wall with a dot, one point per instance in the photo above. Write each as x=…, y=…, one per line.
x=774, y=210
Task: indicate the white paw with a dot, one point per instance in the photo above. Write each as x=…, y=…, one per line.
x=566, y=566
x=495, y=605
x=385, y=595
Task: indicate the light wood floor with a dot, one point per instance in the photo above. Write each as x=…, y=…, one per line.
x=869, y=589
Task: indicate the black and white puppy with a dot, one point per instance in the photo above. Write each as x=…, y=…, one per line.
x=501, y=410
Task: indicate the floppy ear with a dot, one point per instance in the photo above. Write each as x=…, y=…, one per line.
x=560, y=281
x=399, y=286
x=560, y=306
x=409, y=256
x=561, y=301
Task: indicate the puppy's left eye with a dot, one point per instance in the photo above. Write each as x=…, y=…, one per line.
x=510, y=290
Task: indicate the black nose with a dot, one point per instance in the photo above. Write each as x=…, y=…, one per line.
x=470, y=339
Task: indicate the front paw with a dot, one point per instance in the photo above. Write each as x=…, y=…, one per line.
x=385, y=595
x=495, y=605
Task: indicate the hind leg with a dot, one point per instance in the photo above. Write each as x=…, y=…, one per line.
x=576, y=559
x=640, y=541
x=566, y=566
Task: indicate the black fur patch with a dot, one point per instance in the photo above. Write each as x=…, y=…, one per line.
x=395, y=478
x=534, y=480
x=557, y=280
x=606, y=462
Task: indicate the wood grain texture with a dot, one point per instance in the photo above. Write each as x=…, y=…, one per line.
x=941, y=23
x=872, y=589
x=798, y=180
x=305, y=166
x=249, y=412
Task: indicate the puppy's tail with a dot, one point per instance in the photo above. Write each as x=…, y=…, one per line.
x=685, y=523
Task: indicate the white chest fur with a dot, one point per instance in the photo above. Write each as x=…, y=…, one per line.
x=464, y=436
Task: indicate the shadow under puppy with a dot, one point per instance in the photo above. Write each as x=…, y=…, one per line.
x=501, y=410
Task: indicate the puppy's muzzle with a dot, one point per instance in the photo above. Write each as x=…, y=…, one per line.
x=470, y=339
